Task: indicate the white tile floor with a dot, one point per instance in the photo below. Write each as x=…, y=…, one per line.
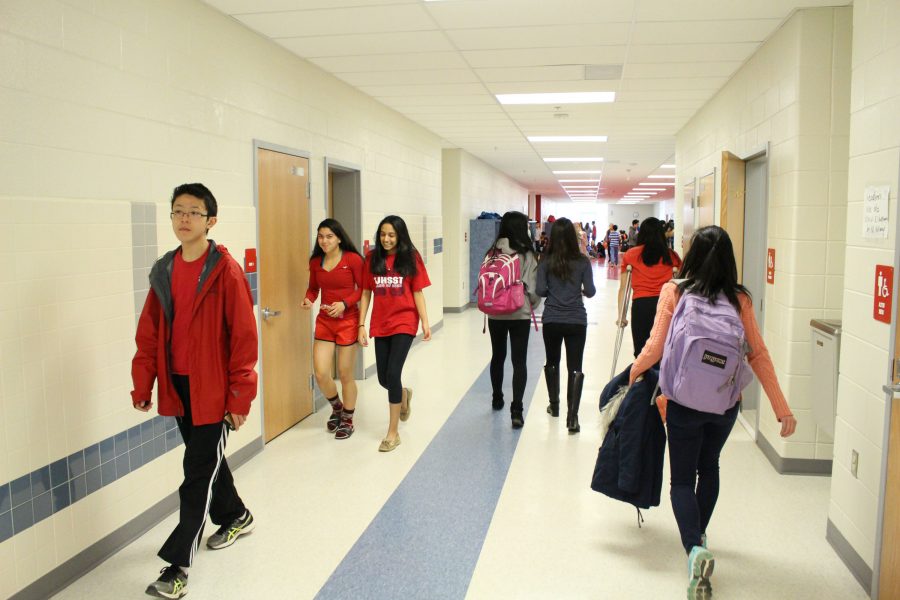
x=550, y=537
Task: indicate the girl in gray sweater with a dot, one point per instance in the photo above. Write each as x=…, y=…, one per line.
x=563, y=277
x=513, y=238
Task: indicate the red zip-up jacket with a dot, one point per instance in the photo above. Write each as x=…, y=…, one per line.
x=222, y=341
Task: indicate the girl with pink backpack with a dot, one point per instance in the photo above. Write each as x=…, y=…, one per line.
x=699, y=415
x=513, y=241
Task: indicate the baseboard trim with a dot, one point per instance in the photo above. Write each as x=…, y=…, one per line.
x=458, y=309
x=849, y=556
x=792, y=466
x=89, y=558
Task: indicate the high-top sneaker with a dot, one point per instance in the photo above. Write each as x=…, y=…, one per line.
x=336, y=409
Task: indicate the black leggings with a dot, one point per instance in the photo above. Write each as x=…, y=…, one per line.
x=390, y=355
x=518, y=331
x=573, y=335
x=643, y=312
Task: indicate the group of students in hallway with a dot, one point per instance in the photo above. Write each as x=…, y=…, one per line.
x=197, y=340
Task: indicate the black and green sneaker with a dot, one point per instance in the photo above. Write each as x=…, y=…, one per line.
x=227, y=534
x=172, y=583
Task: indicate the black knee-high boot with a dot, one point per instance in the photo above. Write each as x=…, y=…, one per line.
x=551, y=374
x=573, y=397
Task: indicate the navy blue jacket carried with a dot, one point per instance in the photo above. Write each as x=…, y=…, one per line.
x=630, y=462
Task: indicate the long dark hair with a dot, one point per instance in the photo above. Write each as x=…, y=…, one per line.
x=346, y=244
x=563, y=250
x=404, y=258
x=709, y=267
x=514, y=227
x=652, y=237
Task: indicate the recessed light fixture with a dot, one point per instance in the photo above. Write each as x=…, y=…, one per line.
x=649, y=189
x=578, y=180
x=666, y=166
x=575, y=159
x=579, y=187
x=557, y=98
x=577, y=172
x=657, y=183
x=566, y=138
x=660, y=177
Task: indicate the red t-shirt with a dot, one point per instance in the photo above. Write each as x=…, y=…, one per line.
x=393, y=308
x=185, y=277
x=648, y=281
x=342, y=283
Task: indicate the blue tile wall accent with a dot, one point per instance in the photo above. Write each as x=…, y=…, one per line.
x=33, y=497
x=6, y=528
x=438, y=245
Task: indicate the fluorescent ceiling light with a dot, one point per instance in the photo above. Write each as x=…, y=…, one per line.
x=578, y=180
x=575, y=159
x=566, y=138
x=557, y=98
x=660, y=177
x=576, y=172
x=666, y=166
x=579, y=187
x=649, y=190
x=657, y=183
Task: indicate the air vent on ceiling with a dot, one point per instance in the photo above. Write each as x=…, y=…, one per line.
x=602, y=72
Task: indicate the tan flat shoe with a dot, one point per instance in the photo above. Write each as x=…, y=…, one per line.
x=388, y=445
x=404, y=406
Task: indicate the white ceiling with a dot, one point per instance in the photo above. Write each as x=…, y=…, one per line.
x=440, y=64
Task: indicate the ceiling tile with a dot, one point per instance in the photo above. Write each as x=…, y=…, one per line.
x=669, y=70
x=340, y=21
x=524, y=13
x=408, y=91
x=708, y=32
x=237, y=7
x=410, y=77
x=535, y=57
x=703, y=10
x=548, y=36
x=431, y=61
x=527, y=87
x=371, y=43
x=688, y=53
x=564, y=73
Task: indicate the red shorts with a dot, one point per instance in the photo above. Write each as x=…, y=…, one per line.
x=343, y=332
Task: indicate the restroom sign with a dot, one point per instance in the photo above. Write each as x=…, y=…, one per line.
x=770, y=267
x=884, y=291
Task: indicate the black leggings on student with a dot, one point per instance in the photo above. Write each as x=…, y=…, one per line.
x=517, y=330
x=574, y=337
x=643, y=312
x=390, y=355
x=696, y=439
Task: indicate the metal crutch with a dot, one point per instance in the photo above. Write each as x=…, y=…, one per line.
x=621, y=328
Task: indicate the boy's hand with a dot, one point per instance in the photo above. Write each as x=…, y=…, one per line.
x=788, y=426
x=144, y=406
x=306, y=304
x=238, y=420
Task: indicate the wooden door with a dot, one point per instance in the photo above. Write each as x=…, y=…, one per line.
x=706, y=201
x=889, y=577
x=731, y=215
x=284, y=247
x=687, y=217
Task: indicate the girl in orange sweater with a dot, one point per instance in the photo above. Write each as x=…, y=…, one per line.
x=696, y=438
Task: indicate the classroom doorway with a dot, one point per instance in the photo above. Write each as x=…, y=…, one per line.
x=343, y=202
x=283, y=217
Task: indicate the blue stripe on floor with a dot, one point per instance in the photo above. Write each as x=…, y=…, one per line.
x=425, y=541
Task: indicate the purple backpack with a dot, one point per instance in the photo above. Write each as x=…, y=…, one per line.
x=704, y=363
x=500, y=289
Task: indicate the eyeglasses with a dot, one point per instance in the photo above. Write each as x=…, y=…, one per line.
x=180, y=214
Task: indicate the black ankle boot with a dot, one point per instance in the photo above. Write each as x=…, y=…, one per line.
x=551, y=374
x=515, y=412
x=573, y=397
x=497, y=402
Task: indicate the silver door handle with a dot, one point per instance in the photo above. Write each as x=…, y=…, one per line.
x=891, y=389
x=266, y=313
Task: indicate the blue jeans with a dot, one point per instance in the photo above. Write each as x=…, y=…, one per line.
x=613, y=254
x=695, y=441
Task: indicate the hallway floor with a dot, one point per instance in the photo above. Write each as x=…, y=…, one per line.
x=468, y=508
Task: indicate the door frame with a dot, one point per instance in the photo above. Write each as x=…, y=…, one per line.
x=888, y=415
x=264, y=145
x=355, y=230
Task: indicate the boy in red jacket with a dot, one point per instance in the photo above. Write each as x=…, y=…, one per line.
x=196, y=338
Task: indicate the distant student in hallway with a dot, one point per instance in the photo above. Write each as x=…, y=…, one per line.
x=196, y=338
x=701, y=412
x=651, y=263
x=513, y=239
x=633, y=234
x=336, y=267
x=395, y=275
x=613, y=241
x=563, y=277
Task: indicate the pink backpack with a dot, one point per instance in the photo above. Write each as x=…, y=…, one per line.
x=500, y=289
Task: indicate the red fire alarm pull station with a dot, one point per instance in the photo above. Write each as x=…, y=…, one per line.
x=884, y=292
x=365, y=247
x=250, y=260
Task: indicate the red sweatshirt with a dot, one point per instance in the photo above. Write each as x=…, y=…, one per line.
x=343, y=283
x=221, y=338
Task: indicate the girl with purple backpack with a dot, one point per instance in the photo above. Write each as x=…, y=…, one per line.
x=696, y=437
x=513, y=238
